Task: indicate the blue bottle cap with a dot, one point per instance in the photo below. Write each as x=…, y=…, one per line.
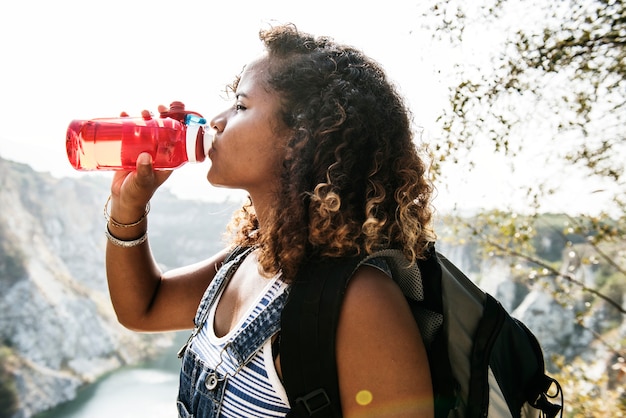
x=191, y=119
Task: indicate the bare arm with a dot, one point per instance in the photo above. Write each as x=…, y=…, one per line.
x=144, y=299
x=382, y=363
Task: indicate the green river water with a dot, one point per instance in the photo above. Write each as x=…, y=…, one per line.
x=146, y=391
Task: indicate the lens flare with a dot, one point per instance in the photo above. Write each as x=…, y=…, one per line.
x=364, y=397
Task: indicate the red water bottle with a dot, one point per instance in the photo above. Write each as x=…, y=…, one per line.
x=176, y=137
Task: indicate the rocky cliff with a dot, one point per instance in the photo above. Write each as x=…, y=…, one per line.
x=57, y=327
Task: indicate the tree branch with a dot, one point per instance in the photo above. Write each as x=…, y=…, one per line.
x=568, y=277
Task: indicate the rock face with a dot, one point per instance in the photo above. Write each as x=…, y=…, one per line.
x=58, y=330
x=57, y=327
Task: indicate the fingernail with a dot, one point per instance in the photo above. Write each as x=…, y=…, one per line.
x=144, y=158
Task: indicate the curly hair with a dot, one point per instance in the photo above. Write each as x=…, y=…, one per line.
x=352, y=181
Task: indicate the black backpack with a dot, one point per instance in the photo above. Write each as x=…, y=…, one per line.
x=485, y=362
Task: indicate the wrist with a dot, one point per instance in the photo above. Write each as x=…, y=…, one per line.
x=125, y=243
x=129, y=218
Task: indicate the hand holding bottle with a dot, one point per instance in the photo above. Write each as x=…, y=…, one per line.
x=131, y=190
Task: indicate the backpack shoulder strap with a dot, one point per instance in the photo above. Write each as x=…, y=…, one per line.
x=308, y=334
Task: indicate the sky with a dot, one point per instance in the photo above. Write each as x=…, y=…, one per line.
x=81, y=59
x=67, y=59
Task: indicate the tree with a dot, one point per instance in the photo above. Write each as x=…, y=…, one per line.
x=574, y=64
x=561, y=70
x=565, y=74
x=547, y=89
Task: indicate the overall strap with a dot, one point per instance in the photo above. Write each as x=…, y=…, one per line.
x=308, y=323
x=245, y=345
x=223, y=276
x=221, y=279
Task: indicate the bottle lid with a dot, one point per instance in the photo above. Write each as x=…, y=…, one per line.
x=177, y=111
x=195, y=146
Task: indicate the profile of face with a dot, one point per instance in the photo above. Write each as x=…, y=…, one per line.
x=249, y=144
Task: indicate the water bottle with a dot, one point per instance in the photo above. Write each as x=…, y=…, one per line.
x=174, y=138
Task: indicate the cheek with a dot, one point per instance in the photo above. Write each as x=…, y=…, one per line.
x=275, y=150
x=267, y=162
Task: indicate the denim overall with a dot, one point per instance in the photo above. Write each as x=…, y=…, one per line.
x=201, y=389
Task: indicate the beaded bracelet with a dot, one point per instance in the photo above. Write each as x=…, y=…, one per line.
x=117, y=224
x=123, y=243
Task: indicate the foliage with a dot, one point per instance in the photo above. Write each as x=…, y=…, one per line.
x=546, y=92
x=586, y=394
x=8, y=392
x=563, y=73
x=534, y=241
x=571, y=60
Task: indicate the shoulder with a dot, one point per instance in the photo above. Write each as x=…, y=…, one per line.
x=373, y=298
x=380, y=351
x=371, y=283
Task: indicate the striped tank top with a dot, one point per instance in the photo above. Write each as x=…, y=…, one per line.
x=254, y=389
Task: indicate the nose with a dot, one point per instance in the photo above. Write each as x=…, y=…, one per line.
x=218, y=122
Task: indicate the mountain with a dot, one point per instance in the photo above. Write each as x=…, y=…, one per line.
x=58, y=330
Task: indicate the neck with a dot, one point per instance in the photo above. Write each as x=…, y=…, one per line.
x=262, y=203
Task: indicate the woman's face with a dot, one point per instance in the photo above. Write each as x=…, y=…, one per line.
x=248, y=148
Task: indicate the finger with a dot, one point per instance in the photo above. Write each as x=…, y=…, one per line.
x=119, y=177
x=145, y=172
x=147, y=177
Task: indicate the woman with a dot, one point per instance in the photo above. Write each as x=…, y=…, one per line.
x=322, y=143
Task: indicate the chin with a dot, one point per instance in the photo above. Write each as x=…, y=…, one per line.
x=216, y=182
